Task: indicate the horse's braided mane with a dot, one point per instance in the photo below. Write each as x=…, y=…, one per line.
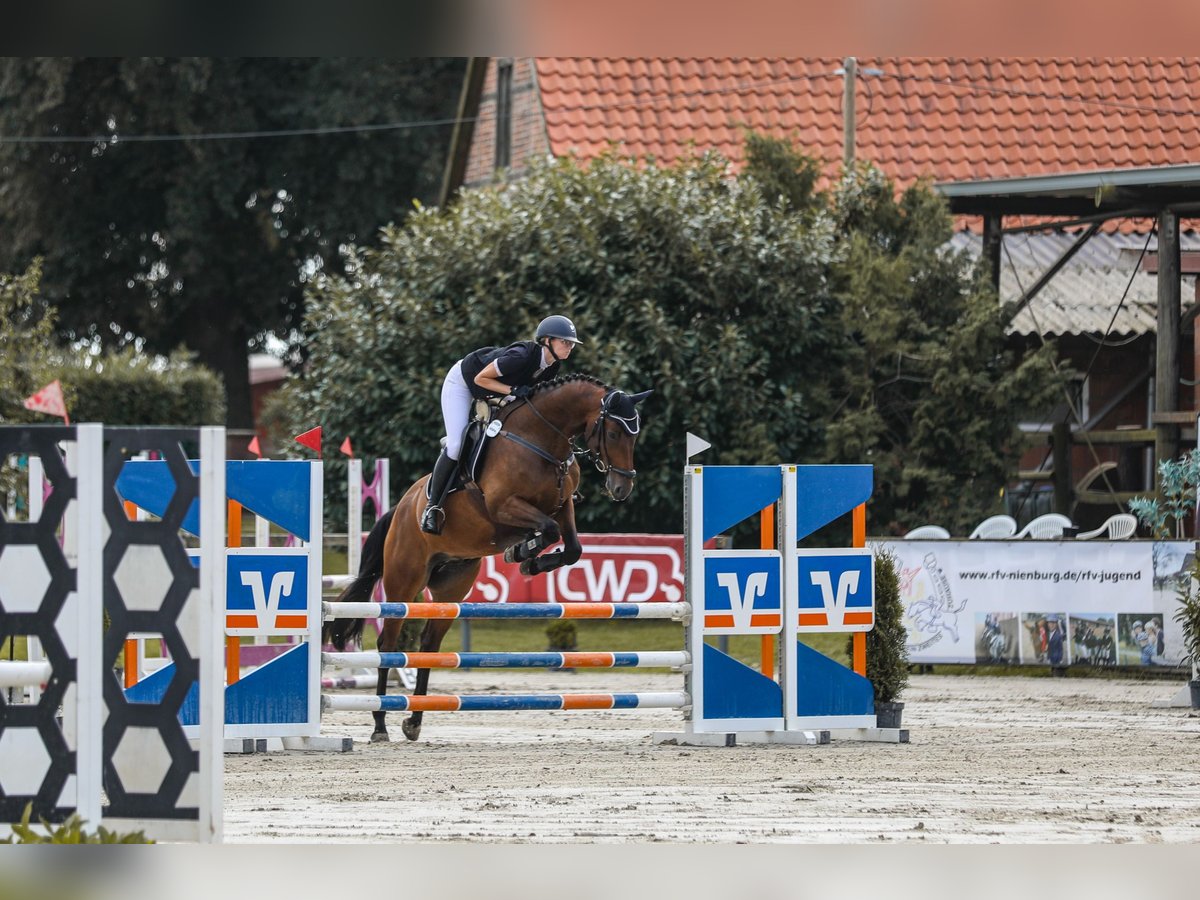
x=567, y=379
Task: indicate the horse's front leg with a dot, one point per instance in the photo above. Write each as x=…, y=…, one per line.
x=568, y=555
x=543, y=530
x=431, y=642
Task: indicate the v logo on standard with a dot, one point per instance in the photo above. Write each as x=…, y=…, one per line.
x=742, y=603
x=266, y=592
x=743, y=592
x=836, y=589
x=847, y=584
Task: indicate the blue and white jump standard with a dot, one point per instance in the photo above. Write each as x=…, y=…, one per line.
x=269, y=591
x=785, y=592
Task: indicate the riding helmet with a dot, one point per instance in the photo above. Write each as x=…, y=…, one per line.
x=557, y=327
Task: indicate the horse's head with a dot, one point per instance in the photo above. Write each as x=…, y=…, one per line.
x=610, y=441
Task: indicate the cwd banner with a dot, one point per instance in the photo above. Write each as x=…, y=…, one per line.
x=1058, y=603
x=615, y=568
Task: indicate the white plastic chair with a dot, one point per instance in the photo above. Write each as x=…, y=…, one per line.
x=1119, y=528
x=995, y=528
x=1046, y=527
x=928, y=533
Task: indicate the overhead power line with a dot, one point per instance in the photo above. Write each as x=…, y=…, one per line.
x=641, y=101
x=118, y=138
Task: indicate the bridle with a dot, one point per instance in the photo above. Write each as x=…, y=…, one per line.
x=599, y=455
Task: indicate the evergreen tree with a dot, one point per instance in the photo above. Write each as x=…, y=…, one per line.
x=207, y=243
x=776, y=320
x=679, y=279
x=932, y=390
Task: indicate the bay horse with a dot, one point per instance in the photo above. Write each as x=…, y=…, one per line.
x=521, y=503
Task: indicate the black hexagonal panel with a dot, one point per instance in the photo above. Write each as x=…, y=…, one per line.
x=120, y=445
x=42, y=441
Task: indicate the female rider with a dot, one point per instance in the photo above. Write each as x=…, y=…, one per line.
x=491, y=372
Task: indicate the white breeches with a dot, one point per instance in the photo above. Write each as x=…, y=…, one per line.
x=456, y=409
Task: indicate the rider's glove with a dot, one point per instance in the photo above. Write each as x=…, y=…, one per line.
x=521, y=391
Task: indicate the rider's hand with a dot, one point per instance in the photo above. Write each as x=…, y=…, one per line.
x=520, y=392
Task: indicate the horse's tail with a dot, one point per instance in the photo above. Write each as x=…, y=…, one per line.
x=341, y=632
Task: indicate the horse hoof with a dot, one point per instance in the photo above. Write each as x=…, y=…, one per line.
x=528, y=568
x=510, y=554
x=412, y=732
x=380, y=737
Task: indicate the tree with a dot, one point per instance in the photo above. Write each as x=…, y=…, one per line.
x=207, y=243
x=124, y=386
x=780, y=322
x=118, y=386
x=679, y=279
x=932, y=390
x=26, y=343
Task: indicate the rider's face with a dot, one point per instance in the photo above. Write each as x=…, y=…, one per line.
x=561, y=348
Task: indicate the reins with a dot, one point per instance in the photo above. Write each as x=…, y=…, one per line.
x=597, y=457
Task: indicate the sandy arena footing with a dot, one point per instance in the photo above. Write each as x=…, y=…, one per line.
x=1008, y=760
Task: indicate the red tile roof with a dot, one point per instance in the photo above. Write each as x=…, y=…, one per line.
x=950, y=119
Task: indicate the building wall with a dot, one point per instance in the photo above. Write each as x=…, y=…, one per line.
x=1114, y=369
x=528, y=124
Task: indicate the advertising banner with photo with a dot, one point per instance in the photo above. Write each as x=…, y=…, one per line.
x=1057, y=603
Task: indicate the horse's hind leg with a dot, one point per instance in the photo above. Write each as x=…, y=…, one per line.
x=402, y=583
x=389, y=640
x=431, y=642
x=448, y=584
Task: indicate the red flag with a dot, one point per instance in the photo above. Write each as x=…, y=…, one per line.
x=49, y=400
x=253, y=447
x=346, y=448
x=311, y=439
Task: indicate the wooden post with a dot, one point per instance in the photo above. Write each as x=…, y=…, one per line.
x=131, y=662
x=1061, y=454
x=131, y=644
x=233, y=645
x=850, y=66
x=858, y=538
x=993, y=229
x=464, y=129
x=1166, y=369
x=767, y=542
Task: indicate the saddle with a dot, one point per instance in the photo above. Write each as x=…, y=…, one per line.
x=476, y=439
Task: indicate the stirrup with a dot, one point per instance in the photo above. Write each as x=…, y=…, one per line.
x=433, y=520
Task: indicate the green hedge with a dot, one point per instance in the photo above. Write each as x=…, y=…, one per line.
x=128, y=389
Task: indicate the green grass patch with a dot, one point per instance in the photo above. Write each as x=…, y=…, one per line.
x=509, y=636
x=20, y=651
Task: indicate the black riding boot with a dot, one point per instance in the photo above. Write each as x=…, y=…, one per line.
x=434, y=517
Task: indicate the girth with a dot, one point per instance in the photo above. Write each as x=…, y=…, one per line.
x=560, y=465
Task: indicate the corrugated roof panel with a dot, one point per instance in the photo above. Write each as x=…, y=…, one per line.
x=1083, y=297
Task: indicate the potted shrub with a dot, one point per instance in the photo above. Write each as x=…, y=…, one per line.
x=1164, y=516
x=887, y=650
x=1188, y=618
x=561, y=637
